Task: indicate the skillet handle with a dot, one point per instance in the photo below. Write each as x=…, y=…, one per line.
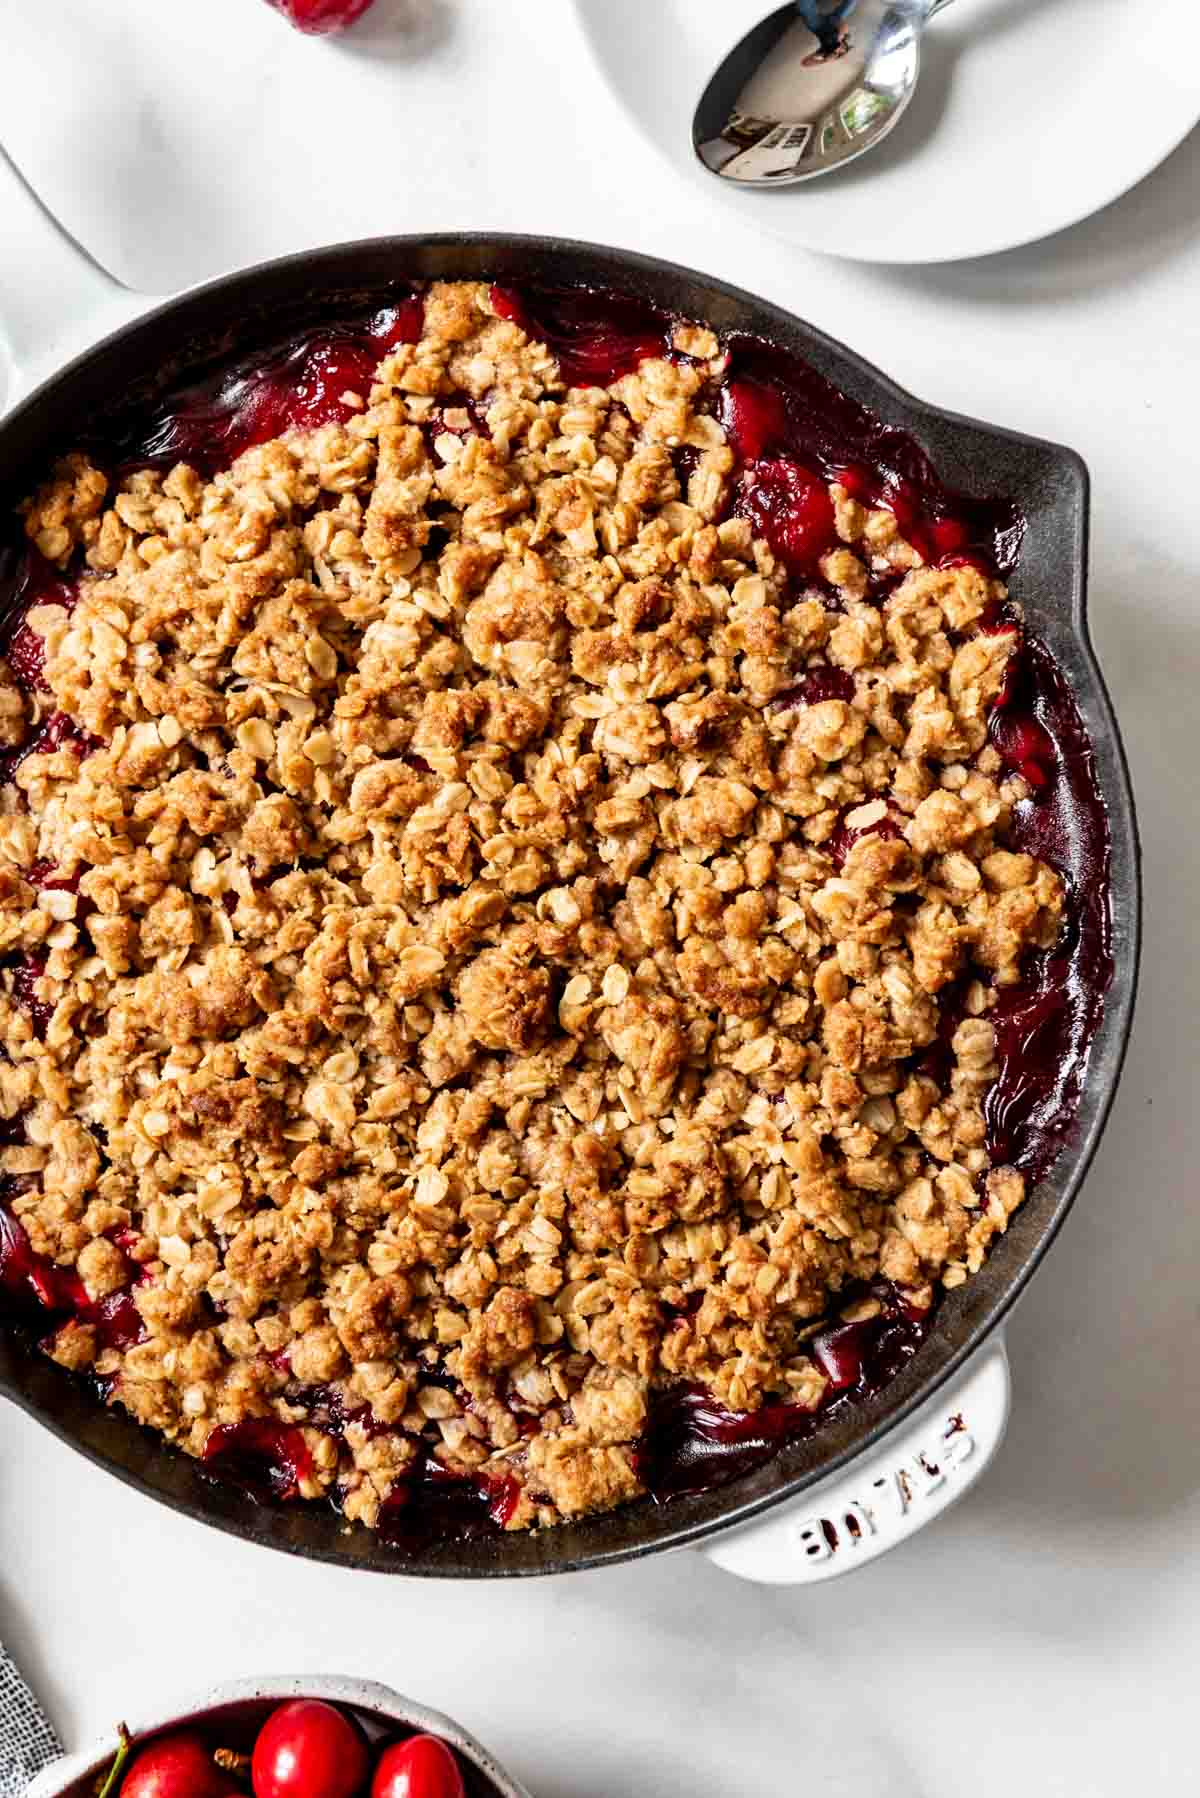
x=885, y=1497
x=54, y=298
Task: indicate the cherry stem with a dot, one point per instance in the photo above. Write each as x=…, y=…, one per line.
x=114, y=1772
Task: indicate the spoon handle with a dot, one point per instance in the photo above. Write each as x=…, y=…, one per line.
x=935, y=6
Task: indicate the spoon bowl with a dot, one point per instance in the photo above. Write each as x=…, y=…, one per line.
x=810, y=88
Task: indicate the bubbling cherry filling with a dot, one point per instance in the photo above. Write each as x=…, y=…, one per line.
x=821, y=682
x=35, y=584
x=432, y=1504
x=693, y=1443
x=262, y=1457
x=1045, y=1025
x=596, y=337
x=791, y=433
x=851, y=829
x=790, y=506
x=29, y=1278
x=294, y=387
x=36, y=1290
x=25, y=650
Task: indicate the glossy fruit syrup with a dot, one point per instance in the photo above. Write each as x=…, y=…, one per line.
x=294, y=386
x=693, y=1443
x=36, y=1291
x=792, y=433
x=264, y=1458
x=1045, y=1025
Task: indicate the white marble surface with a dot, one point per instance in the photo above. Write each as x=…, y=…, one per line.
x=1042, y=1638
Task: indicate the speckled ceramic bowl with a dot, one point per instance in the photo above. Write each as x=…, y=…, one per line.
x=242, y=1705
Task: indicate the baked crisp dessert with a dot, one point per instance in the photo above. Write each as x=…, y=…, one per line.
x=509, y=882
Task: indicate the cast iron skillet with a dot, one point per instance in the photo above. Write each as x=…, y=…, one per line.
x=1049, y=484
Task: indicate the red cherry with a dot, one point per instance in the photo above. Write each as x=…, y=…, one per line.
x=858, y=481
x=320, y=16
x=508, y=304
x=791, y=508
x=838, y=1352
x=307, y=1749
x=422, y=1767
x=1026, y=746
x=949, y=536
x=177, y=1766
x=265, y=1458
x=754, y=418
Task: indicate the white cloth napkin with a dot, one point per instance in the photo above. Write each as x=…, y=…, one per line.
x=27, y=1741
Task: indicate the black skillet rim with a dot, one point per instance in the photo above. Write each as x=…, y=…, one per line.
x=1050, y=484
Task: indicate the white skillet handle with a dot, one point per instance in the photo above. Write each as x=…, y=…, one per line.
x=883, y=1498
x=54, y=298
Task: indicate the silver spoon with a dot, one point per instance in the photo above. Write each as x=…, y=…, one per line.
x=813, y=86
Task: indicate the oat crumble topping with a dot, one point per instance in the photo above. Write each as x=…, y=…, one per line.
x=484, y=983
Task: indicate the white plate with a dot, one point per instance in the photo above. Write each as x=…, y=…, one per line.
x=1030, y=114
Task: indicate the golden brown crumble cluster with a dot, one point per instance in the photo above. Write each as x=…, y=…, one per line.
x=459, y=976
